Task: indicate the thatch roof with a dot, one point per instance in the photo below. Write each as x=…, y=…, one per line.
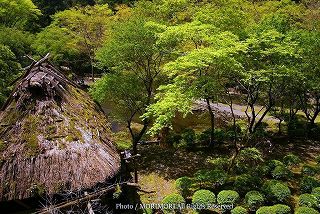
x=53, y=137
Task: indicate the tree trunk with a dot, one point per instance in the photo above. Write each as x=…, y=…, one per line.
x=211, y=122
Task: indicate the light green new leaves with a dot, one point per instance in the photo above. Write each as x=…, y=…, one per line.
x=16, y=13
x=194, y=75
x=172, y=98
x=225, y=45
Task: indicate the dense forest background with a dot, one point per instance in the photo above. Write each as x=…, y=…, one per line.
x=236, y=80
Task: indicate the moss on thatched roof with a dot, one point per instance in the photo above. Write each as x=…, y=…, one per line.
x=53, y=137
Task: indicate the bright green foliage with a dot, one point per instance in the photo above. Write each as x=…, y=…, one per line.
x=276, y=191
x=246, y=182
x=18, y=41
x=228, y=197
x=75, y=33
x=264, y=210
x=307, y=183
x=275, y=209
x=204, y=198
x=17, y=13
x=57, y=41
x=239, y=210
x=306, y=210
x=183, y=185
x=173, y=199
x=308, y=200
x=254, y=200
x=194, y=75
x=281, y=209
x=291, y=160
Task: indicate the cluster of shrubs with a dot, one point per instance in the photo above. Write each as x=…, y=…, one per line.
x=188, y=138
x=260, y=188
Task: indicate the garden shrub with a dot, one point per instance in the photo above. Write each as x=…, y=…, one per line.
x=307, y=183
x=306, y=210
x=272, y=164
x=281, y=172
x=309, y=170
x=308, y=200
x=248, y=158
x=264, y=210
x=275, y=209
x=246, y=182
x=316, y=193
x=239, y=210
x=204, y=198
x=228, y=197
x=204, y=137
x=260, y=171
x=211, y=177
x=219, y=163
x=220, y=135
x=276, y=190
x=254, y=200
x=172, y=138
x=183, y=185
x=188, y=137
x=173, y=199
x=281, y=209
x=291, y=160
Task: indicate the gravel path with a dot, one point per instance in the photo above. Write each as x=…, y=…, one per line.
x=239, y=110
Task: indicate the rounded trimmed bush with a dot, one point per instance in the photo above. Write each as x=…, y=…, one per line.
x=254, y=200
x=239, y=210
x=204, y=198
x=245, y=182
x=291, y=160
x=228, y=197
x=173, y=199
x=275, y=209
x=308, y=200
x=281, y=172
x=306, y=210
x=276, y=190
x=281, y=209
x=264, y=210
x=183, y=185
x=307, y=183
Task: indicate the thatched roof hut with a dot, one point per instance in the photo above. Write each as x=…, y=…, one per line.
x=53, y=137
